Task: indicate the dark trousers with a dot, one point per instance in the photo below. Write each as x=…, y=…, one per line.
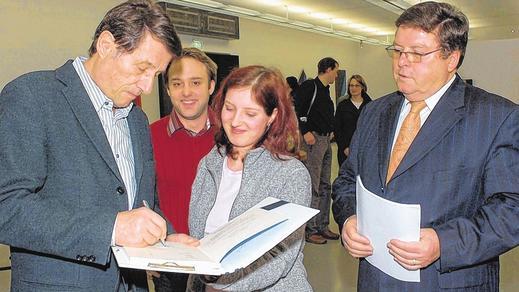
x=171, y=282
x=319, y=165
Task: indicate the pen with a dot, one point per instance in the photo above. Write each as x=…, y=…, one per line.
x=145, y=203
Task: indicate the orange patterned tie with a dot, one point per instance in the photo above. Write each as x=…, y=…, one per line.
x=408, y=131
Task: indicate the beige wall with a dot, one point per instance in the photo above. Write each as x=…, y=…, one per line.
x=494, y=66
x=293, y=50
x=44, y=34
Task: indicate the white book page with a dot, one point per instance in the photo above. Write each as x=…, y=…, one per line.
x=172, y=251
x=247, y=252
x=216, y=245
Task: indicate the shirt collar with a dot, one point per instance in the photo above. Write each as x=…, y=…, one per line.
x=97, y=97
x=174, y=124
x=435, y=98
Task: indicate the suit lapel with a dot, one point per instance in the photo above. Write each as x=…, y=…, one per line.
x=387, y=124
x=82, y=107
x=137, y=151
x=441, y=120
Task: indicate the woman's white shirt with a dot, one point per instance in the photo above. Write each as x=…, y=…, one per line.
x=227, y=192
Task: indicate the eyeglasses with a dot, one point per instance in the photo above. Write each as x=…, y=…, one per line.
x=355, y=85
x=413, y=57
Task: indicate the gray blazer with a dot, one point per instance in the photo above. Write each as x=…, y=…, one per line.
x=280, y=269
x=60, y=188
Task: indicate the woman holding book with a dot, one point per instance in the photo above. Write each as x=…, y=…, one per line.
x=251, y=161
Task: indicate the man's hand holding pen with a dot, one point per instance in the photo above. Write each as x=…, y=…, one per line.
x=139, y=227
x=142, y=227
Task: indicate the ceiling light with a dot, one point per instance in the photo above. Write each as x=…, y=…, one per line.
x=368, y=29
x=319, y=15
x=339, y=21
x=355, y=25
x=342, y=33
x=372, y=41
x=359, y=37
x=380, y=32
x=209, y=3
x=296, y=9
x=323, y=29
x=270, y=2
x=389, y=6
x=301, y=24
x=274, y=18
x=241, y=10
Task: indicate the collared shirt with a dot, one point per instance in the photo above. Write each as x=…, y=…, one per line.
x=174, y=124
x=115, y=126
x=426, y=111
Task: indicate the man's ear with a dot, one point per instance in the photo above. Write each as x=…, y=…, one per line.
x=454, y=59
x=106, y=44
x=212, y=85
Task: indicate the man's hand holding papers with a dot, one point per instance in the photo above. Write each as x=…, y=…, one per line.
x=401, y=221
x=358, y=246
x=416, y=255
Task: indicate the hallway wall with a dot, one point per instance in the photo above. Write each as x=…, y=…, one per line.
x=44, y=34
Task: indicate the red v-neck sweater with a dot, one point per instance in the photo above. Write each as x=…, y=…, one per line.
x=177, y=157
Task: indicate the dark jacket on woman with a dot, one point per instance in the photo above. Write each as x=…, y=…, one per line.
x=345, y=123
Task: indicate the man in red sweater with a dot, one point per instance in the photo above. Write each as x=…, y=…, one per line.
x=180, y=140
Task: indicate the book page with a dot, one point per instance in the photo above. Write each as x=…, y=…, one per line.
x=241, y=228
x=248, y=251
x=172, y=251
x=239, y=242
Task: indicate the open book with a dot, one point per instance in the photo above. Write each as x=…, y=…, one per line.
x=233, y=246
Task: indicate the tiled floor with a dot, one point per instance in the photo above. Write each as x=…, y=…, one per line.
x=4, y=262
x=330, y=269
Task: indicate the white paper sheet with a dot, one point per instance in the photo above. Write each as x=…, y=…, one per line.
x=381, y=220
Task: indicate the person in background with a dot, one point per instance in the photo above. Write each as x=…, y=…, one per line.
x=250, y=162
x=443, y=144
x=180, y=140
x=77, y=159
x=293, y=85
x=314, y=108
x=347, y=114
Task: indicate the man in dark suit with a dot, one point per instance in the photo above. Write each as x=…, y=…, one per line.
x=462, y=166
x=77, y=159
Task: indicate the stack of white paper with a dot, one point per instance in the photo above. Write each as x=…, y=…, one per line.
x=381, y=220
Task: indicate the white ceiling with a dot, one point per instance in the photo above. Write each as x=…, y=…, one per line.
x=489, y=19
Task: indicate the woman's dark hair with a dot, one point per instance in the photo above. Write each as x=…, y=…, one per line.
x=128, y=22
x=446, y=21
x=268, y=88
